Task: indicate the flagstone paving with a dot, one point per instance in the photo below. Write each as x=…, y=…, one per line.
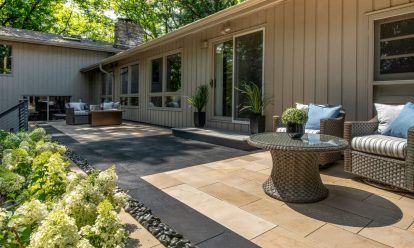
x=353, y=215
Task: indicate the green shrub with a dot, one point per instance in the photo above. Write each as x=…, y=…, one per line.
x=17, y=160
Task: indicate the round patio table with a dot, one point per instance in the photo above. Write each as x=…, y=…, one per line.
x=295, y=174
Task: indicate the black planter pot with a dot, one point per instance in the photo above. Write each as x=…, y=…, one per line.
x=199, y=119
x=257, y=123
x=295, y=131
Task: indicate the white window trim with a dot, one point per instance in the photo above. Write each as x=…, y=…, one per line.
x=12, y=60
x=164, y=94
x=129, y=94
x=374, y=16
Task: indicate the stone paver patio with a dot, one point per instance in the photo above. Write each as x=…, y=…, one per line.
x=354, y=214
x=213, y=194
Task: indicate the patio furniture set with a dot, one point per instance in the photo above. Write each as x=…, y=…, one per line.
x=105, y=114
x=380, y=150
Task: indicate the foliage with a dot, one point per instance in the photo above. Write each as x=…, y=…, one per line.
x=43, y=204
x=87, y=18
x=200, y=98
x=163, y=16
x=106, y=223
x=294, y=115
x=58, y=230
x=9, y=181
x=255, y=103
x=91, y=18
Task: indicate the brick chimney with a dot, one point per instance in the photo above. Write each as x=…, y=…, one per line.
x=128, y=34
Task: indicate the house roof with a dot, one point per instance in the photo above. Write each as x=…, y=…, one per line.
x=35, y=37
x=244, y=8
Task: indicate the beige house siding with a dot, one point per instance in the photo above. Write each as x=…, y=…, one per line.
x=315, y=51
x=46, y=71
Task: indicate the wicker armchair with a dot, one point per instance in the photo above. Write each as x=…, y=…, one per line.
x=332, y=126
x=378, y=165
x=72, y=118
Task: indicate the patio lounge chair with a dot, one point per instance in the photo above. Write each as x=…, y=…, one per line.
x=379, y=158
x=331, y=126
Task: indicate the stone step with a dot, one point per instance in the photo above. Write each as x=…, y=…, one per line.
x=220, y=137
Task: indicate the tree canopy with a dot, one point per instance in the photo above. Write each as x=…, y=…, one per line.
x=96, y=18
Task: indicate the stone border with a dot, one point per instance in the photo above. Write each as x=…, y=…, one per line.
x=161, y=231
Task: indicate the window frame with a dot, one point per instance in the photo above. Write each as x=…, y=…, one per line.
x=11, y=60
x=129, y=95
x=377, y=76
x=106, y=95
x=233, y=37
x=164, y=94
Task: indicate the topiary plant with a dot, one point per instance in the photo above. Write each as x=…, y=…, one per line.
x=293, y=115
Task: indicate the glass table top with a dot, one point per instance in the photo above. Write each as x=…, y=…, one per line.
x=282, y=141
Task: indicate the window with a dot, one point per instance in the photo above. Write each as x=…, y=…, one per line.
x=106, y=92
x=394, y=48
x=236, y=61
x=5, y=59
x=124, y=81
x=165, y=90
x=130, y=86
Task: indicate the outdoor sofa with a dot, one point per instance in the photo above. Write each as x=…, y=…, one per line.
x=380, y=158
x=329, y=126
x=77, y=113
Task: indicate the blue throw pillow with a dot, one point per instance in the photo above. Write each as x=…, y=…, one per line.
x=316, y=113
x=399, y=127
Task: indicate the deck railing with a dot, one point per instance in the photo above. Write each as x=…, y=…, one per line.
x=15, y=118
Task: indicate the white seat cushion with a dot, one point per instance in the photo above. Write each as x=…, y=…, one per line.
x=381, y=145
x=283, y=130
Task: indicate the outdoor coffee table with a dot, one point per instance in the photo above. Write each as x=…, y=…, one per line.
x=295, y=174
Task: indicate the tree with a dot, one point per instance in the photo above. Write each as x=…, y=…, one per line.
x=89, y=18
x=162, y=16
x=71, y=17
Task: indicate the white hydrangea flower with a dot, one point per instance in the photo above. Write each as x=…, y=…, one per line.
x=106, y=180
x=3, y=216
x=57, y=230
x=84, y=243
x=31, y=212
x=120, y=199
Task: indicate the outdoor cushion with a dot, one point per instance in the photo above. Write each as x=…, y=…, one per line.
x=77, y=106
x=404, y=121
x=108, y=105
x=81, y=112
x=381, y=145
x=283, y=130
x=302, y=107
x=116, y=105
x=386, y=115
x=316, y=113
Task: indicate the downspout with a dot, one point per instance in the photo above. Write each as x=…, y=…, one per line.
x=102, y=70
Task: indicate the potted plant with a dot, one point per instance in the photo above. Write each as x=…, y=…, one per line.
x=255, y=104
x=295, y=120
x=199, y=101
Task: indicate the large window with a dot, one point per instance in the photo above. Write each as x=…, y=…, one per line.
x=237, y=61
x=394, y=48
x=5, y=59
x=107, y=84
x=165, y=90
x=130, y=85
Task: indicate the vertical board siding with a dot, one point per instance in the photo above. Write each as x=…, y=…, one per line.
x=315, y=51
x=46, y=71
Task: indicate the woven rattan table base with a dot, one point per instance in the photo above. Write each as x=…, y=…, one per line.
x=295, y=177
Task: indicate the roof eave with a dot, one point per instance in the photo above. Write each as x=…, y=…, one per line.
x=68, y=45
x=214, y=19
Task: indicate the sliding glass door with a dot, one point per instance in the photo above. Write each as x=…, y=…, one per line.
x=236, y=62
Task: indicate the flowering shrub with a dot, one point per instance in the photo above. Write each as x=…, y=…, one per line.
x=43, y=204
x=9, y=181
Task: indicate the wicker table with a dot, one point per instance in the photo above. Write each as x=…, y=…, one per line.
x=295, y=173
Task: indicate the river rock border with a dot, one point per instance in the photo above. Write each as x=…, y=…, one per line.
x=161, y=231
